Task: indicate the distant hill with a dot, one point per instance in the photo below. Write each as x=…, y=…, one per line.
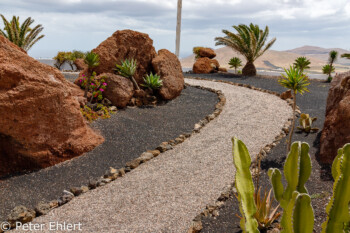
x=272, y=59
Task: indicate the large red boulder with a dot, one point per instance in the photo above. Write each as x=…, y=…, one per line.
x=41, y=122
x=168, y=66
x=336, y=129
x=207, y=52
x=126, y=44
x=119, y=89
x=204, y=65
x=80, y=64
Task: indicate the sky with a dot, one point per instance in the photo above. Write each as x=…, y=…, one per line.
x=84, y=24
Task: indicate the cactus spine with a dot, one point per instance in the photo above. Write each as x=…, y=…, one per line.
x=245, y=187
x=297, y=170
x=338, y=216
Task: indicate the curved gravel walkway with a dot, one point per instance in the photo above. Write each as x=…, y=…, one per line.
x=166, y=193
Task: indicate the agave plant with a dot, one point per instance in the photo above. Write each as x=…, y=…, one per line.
x=305, y=122
x=249, y=41
x=265, y=214
x=302, y=63
x=128, y=69
x=21, y=34
x=235, y=62
x=296, y=81
x=152, y=81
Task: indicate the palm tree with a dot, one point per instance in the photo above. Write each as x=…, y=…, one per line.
x=302, y=63
x=22, y=35
x=92, y=60
x=332, y=58
x=235, y=62
x=328, y=69
x=248, y=41
x=296, y=81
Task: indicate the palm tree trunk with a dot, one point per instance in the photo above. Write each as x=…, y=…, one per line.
x=293, y=122
x=178, y=27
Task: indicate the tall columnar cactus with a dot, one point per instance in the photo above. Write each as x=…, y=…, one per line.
x=245, y=187
x=297, y=170
x=338, y=214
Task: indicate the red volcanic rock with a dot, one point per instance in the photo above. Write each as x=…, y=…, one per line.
x=119, y=89
x=167, y=65
x=222, y=69
x=41, y=122
x=207, y=52
x=336, y=129
x=80, y=64
x=286, y=95
x=204, y=65
x=126, y=44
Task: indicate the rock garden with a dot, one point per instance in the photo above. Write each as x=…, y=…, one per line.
x=131, y=144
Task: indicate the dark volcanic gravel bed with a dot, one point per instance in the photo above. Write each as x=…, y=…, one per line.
x=313, y=103
x=127, y=134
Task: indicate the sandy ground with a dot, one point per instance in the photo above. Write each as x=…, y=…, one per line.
x=166, y=193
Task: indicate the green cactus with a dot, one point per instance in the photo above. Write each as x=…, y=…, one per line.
x=303, y=214
x=305, y=122
x=245, y=187
x=338, y=216
x=297, y=170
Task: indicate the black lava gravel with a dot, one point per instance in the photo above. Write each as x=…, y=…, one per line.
x=127, y=134
x=313, y=103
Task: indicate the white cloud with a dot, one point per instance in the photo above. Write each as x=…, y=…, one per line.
x=83, y=24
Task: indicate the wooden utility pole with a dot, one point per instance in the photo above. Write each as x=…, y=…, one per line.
x=178, y=27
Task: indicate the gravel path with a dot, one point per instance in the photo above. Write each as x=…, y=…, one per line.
x=313, y=103
x=166, y=193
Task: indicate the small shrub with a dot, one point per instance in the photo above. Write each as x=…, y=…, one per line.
x=88, y=113
x=60, y=59
x=152, y=81
x=196, y=51
x=235, y=62
x=328, y=69
x=95, y=86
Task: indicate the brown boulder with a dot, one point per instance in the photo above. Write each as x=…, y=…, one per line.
x=286, y=95
x=119, y=89
x=204, y=65
x=41, y=122
x=80, y=64
x=207, y=52
x=126, y=44
x=336, y=129
x=167, y=65
x=222, y=69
